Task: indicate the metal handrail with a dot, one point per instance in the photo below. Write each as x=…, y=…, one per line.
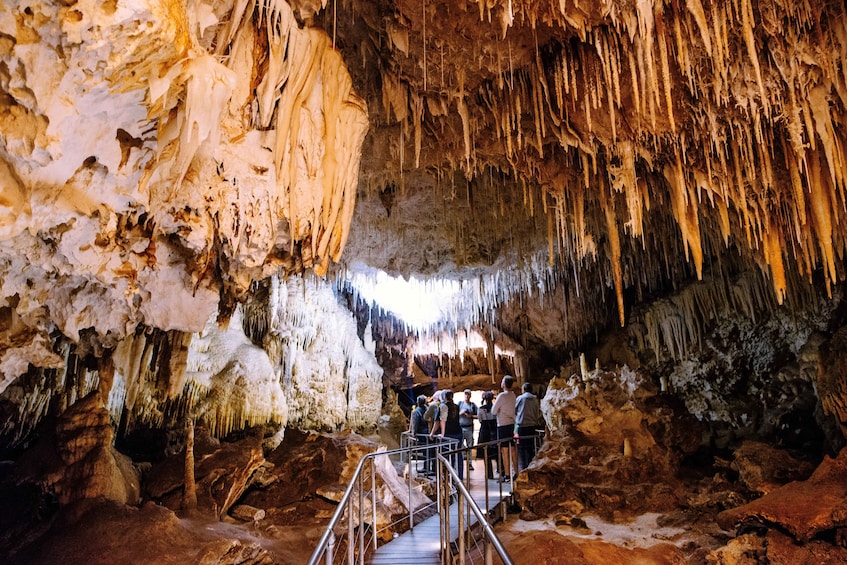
x=326, y=545
x=446, y=473
x=446, y=477
x=328, y=538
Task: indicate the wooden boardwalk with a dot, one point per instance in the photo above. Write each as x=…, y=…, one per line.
x=422, y=545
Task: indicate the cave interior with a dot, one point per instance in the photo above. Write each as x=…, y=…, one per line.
x=254, y=232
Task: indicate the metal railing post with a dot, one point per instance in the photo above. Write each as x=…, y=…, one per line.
x=351, y=535
x=361, y=516
x=451, y=478
x=330, y=549
x=373, y=500
x=442, y=495
x=460, y=514
x=446, y=480
x=411, y=506
x=448, y=488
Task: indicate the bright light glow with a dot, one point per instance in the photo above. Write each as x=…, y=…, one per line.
x=439, y=304
x=442, y=312
x=456, y=343
x=420, y=304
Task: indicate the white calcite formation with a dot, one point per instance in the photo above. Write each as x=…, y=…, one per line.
x=309, y=368
x=227, y=381
x=330, y=377
x=158, y=156
x=604, y=406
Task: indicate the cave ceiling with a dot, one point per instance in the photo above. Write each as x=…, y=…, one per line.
x=158, y=158
x=641, y=145
x=723, y=119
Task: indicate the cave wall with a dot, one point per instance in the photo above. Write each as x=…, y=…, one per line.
x=303, y=365
x=158, y=160
x=153, y=165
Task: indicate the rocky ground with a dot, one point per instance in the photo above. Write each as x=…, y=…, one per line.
x=623, y=478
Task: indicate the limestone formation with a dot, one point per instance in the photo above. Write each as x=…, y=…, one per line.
x=146, y=177
x=615, y=437
x=804, y=509
x=203, y=204
x=762, y=468
x=88, y=533
x=313, y=470
x=222, y=473
x=78, y=460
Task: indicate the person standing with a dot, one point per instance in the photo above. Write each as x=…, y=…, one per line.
x=448, y=423
x=431, y=418
x=419, y=428
x=504, y=410
x=418, y=425
x=487, y=432
x=431, y=414
x=528, y=419
x=467, y=413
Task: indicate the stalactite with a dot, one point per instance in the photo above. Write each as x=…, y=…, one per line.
x=685, y=212
x=773, y=256
x=666, y=72
x=750, y=43
x=822, y=216
x=624, y=179
x=695, y=7
x=615, y=252
x=675, y=326
x=724, y=123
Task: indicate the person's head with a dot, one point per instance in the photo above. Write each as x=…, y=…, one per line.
x=447, y=396
x=487, y=396
x=527, y=387
x=467, y=394
x=421, y=401
x=507, y=382
x=437, y=396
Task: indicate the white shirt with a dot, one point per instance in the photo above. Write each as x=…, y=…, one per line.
x=504, y=408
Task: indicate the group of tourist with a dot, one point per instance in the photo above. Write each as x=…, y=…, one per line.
x=513, y=419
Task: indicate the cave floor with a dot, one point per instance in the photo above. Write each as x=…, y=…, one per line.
x=105, y=532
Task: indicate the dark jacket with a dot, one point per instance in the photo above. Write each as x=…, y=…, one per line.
x=451, y=426
x=419, y=424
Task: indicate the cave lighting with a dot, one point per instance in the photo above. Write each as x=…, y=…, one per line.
x=443, y=314
x=420, y=304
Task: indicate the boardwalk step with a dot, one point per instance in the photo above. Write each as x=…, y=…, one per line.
x=421, y=546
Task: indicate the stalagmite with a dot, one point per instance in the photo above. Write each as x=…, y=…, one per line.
x=189, y=497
